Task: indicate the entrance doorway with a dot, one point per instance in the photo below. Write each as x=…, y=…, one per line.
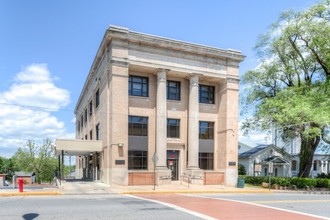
x=173, y=163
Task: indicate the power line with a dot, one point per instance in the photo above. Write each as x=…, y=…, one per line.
x=36, y=107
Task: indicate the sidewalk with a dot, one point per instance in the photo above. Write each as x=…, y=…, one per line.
x=79, y=187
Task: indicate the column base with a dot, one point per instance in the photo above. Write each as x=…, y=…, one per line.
x=163, y=176
x=196, y=175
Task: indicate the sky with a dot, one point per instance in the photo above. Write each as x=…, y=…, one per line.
x=47, y=49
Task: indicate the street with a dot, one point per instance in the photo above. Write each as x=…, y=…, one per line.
x=166, y=206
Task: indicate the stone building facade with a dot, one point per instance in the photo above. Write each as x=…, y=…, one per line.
x=165, y=110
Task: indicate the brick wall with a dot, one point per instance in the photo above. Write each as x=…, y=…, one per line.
x=140, y=178
x=214, y=178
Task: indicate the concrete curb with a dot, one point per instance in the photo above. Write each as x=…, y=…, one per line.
x=30, y=193
x=196, y=191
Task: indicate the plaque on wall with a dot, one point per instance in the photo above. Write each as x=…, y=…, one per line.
x=232, y=163
x=120, y=162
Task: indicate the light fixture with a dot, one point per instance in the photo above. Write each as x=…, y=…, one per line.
x=119, y=144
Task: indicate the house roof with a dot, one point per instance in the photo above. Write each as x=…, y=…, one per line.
x=254, y=150
x=275, y=160
x=21, y=173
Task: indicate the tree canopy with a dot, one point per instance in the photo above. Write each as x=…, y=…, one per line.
x=290, y=88
x=39, y=159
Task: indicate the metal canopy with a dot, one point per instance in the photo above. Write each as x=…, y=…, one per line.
x=77, y=147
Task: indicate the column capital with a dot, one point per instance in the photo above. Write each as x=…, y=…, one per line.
x=161, y=74
x=194, y=80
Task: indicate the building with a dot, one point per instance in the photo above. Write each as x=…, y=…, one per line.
x=164, y=110
x=258, y=159
x=28, y=177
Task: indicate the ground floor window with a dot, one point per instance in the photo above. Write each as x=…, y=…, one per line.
x=206, y=161
x=137, y=160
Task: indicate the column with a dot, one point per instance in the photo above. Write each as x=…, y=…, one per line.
x=161, y=120
x=193, y=123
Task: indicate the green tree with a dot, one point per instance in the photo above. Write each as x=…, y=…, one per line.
x=241, y=170
x=290, y=88
x=39, y=159
x=7, y=167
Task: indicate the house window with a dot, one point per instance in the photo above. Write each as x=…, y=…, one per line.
x=97, y=98
x=206, y=94
x=137, y=126
x=85, y=115
x=91, y=134
x=97, y=131
x=206, y=130
x=294, y=165
x=138, y=86
x=206, y=161
x=137, y=160
x=173, y=128
x=315, y=165
x=173, y=90
x=90, y=108
x=82, y=121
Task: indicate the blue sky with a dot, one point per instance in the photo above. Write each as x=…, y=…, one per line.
x=47, y=49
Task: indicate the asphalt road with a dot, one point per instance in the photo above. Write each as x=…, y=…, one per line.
x=86, y=207
x=160, y=206
x=314, y=204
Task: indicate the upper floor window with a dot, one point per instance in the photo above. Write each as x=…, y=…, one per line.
x=173, y=128
x=85, y=115
x=97, y=98
x=90, y=108
x=137, y=126
x=206, y=130
x=91, y=134
x=97, y=131
x=138, y=86
x=206, y=94
x=173, y=90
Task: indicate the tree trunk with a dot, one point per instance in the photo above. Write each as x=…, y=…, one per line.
x=308, y=147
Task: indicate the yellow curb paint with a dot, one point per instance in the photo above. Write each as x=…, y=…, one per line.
x=290, y=201
x=30, y=193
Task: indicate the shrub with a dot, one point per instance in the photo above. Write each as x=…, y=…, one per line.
x=323, y=183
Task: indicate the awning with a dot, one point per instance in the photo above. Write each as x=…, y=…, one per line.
x=77, y=147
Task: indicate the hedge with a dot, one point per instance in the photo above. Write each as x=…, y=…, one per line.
x=288, y=181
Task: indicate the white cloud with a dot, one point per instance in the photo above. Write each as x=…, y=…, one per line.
x=33, y=86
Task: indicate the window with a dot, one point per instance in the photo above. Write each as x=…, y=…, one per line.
x=173, y=90
x=173, y=128
x=294, y=165
x=97, y=131
x=90, y=108
x=206, y=94
x=82, y=121
x=85, y=115
x=137, y=126
x=138, y=86
x=206, y=161
x=315, y=165
x=91, y=135
x=206, y=130
x=137, y=160
x=86, y=137
x=97, y=98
